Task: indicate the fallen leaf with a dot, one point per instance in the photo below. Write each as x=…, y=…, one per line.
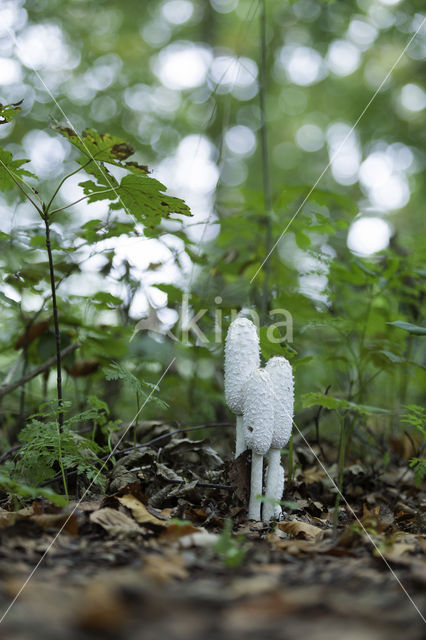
x=64, y=521
x=141, y=513
x=175, y=530
x=82, y=368
x=301, y=530
x=422, y=542
x=164, y=568
x=101, y=609
x=7, y=518
x=115, y=522
x=313, y=474
x=31, y=333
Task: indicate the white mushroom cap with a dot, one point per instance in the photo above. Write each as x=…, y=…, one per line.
x=281, y=374
x=258, y=415
x=241, y=358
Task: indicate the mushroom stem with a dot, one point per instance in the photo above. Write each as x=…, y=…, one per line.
x=240, y=444
x=274, y=485
x=255, y=485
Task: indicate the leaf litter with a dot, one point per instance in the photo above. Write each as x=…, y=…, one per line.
x=169, y=547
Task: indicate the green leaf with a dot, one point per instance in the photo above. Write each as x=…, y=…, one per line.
x=9, y=301
x=22, y=490
x=303, y=241
x=269, y=348
x=103, y=298
x=96, y=230
x=9, y=111
x=143, y=198
x=101, y=147
x=10, y=169
x=415, y=329
x=391, y=356
x=330, y=402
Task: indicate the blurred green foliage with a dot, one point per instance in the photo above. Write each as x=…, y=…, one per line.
x=173, y=79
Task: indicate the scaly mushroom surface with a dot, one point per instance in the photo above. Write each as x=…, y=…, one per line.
x=242, y=357
x=281, y=375
x=258, y=423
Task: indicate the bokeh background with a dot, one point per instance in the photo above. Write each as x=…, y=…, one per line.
x=179, y=80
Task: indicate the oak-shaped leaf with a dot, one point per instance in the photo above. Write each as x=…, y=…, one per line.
x=101, y=147
x=138, y=194
x=144, y=198
x=11, y=170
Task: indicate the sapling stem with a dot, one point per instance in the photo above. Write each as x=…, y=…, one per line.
x=342, y=445
x=265, y=157
x=56, y=322
x=255, y=486
x=61, y=463
x=136, y=422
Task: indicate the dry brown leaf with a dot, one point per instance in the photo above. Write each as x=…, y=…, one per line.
x=174, y=531
x=7, y=518
x=301, y=530
x=82, y=368
x=141, y=513
x=31, y=333
x=115, y=522
x=253, y=585
x=399, y=549
x=422, y=542
x=64, y=521
x=101, y=610
x=293, y=547
x=313, y=474
x=164, y=568
x=86, y=506
x=398, y=552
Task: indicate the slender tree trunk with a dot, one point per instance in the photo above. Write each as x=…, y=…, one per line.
x=56, y=322
x=265, y=161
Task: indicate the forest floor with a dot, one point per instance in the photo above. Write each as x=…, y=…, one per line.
x=151, y=558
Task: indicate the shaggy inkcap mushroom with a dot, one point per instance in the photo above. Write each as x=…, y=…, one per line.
x=281, y=375
x=258, y=422
x=241, y=359
x=274, y=488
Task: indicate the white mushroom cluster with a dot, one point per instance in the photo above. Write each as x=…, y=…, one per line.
x=262, y=400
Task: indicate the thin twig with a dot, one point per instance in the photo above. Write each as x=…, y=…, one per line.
x=67, y=206
x=211, y=425
x=83, y=166
x=208, y=485
x=9, y=452
x=317, y=421
x=55, y=321
x=5, y=389
x=18, y=184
